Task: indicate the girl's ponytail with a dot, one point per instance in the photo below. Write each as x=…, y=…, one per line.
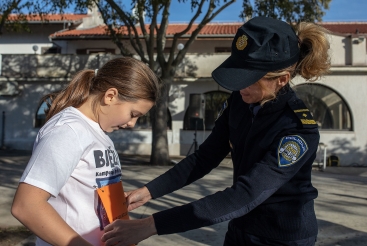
x=75, y=94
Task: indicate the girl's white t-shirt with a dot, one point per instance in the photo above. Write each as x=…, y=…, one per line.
x=72, y=157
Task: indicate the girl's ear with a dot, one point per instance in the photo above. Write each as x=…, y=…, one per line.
x=110, y=96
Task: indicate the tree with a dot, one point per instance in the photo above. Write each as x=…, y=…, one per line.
x=7, y=7
x=13, y=14
x=148, y=40
x=148, y=43
x=292, y=11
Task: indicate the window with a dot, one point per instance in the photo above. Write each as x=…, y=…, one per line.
x=203, y=110
x=94, y=51
x=328, y=108
x=222, y=49
x=51, y=50
x=40, y=115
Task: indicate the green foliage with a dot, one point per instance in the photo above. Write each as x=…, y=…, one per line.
x=14, y=13
x=8, y=7
x=292, y=11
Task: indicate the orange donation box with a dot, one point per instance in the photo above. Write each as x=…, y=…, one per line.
x=114, y=201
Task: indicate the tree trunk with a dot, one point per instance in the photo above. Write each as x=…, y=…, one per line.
x=160, y=153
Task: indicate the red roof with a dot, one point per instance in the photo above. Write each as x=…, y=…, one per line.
x=52, y=17
x=95, y=31
x=211, y=29
x=225, y=29
x=346, y=27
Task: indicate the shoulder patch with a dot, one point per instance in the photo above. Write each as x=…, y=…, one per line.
x=290, y=150
x=224, y=106
x=303, y=113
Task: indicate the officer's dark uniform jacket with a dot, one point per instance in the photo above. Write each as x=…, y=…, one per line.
x=272, y=195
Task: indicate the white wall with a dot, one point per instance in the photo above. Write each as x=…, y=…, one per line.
x=204, y=45
x=22, y=42
x=198, y=46
x=340, y=50
x=20, y=111
x=349, y=146
x=70, y=46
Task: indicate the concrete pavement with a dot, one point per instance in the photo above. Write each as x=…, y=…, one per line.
x=341, y=206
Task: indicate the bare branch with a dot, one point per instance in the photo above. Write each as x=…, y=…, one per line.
x=178, y=35
x=129, y=23
x=115, y=36
x=161, y=34
x=209, y=16
x=152, y=28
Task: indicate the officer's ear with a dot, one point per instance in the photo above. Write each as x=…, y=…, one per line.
x=283, y=80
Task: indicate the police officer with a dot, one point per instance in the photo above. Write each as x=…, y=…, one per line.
x=272, y=138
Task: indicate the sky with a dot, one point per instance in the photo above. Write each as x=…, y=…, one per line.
x=339, y=10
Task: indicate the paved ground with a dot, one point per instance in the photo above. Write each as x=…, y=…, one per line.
x=341, y=206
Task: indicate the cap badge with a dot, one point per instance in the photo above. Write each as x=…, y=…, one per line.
x=241, y=42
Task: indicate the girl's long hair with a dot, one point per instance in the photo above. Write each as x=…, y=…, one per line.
x=132, y=78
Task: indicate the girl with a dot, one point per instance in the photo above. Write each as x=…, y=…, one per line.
x=73, y=155
x=272, y=138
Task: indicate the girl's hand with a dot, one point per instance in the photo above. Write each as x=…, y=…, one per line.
x=137, y=197
x=128, y=232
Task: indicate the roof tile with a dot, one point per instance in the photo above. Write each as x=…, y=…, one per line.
x=213, y=29
x=346, y=27
x=52, y=17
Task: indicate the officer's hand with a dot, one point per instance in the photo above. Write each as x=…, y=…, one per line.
x=128, y=232
x=136, y=198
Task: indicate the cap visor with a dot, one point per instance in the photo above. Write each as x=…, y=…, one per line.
x=235, y=78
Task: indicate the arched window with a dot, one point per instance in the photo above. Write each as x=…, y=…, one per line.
x=40, y=119
x=327, y=107
x=203, y=110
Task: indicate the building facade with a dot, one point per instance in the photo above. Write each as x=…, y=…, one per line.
x=66, y=44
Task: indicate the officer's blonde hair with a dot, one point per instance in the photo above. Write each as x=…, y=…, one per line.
x=314, y=60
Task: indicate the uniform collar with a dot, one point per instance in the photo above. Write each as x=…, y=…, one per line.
x=279, y=102
x=254, y=108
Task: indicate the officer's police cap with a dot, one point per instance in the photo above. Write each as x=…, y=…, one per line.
x=260, y=46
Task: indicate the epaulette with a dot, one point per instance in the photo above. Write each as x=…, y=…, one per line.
x=303, y=113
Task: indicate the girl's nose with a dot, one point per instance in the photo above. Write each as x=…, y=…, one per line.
x=131, y=123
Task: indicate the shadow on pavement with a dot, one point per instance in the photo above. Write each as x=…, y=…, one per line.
x=332, y=234
x=340, y=207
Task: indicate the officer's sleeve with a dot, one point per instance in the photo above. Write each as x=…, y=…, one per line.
x=209, y=155
x=276, y=168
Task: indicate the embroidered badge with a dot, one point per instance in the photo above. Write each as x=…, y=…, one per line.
x=241, y=42
x=224, y=106
x=290, y=150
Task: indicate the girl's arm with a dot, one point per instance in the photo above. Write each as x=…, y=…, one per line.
x=31, y=208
